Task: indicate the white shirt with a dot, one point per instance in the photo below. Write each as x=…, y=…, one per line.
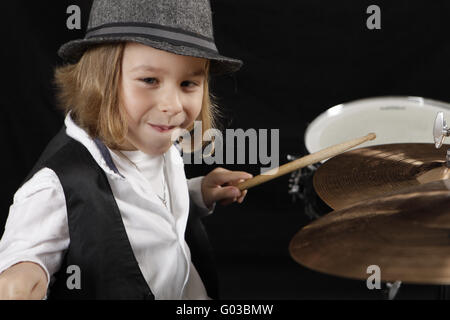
x=152, y=169
x=37, y=228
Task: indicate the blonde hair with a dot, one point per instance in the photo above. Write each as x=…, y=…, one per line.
x=89, y=89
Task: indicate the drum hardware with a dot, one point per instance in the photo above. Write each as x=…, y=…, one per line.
x=440, y=130
x=300, y=188
x=294, y=180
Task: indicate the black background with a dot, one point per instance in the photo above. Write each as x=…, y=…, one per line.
x=301, y=58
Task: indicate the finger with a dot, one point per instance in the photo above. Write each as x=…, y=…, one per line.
x=226, y=193
x=241, y=198
x=226, y=202
x=243, y=193
x=226, y=176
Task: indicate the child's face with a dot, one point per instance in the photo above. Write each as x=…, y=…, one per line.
x=159, y=88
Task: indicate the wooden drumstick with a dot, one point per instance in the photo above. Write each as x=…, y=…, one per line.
x=304, y=161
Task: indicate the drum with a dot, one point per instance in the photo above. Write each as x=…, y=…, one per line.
x=394, y=119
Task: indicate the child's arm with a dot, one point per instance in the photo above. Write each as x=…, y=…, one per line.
x=35, y=237
x=218, y=185
x=23, y=281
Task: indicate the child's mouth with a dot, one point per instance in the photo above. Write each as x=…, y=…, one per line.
x=161, y=128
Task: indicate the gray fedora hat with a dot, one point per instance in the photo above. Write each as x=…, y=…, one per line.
x=179, y=26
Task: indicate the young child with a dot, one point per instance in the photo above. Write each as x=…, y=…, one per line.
x=104, y=212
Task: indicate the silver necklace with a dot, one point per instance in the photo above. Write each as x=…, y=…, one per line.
x=163, y=198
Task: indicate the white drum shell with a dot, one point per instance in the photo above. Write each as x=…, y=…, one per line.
x=392, y=119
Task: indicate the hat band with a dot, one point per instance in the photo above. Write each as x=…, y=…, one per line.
x=152, y=31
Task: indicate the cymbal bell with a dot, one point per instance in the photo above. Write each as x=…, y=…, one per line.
x=369, y=172
x=406, y=233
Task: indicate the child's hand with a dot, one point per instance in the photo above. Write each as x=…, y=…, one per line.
x=23, y=281
x=218, y=185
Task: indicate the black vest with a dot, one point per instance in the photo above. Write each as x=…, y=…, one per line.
x=99, y=245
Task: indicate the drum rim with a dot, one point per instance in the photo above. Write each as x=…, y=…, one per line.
x=338, y=109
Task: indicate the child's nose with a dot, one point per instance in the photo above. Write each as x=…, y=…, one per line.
x=170, y=101
x=171, y=108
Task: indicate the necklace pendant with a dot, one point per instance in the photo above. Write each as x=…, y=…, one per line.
x=163, y=201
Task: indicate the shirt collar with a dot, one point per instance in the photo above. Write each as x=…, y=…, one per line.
x=97, y=148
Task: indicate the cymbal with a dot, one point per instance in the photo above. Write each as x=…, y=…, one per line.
x=369, y=172
x=406, y=233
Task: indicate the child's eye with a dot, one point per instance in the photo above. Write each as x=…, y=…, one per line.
x=188, y=84
x=149, y=80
